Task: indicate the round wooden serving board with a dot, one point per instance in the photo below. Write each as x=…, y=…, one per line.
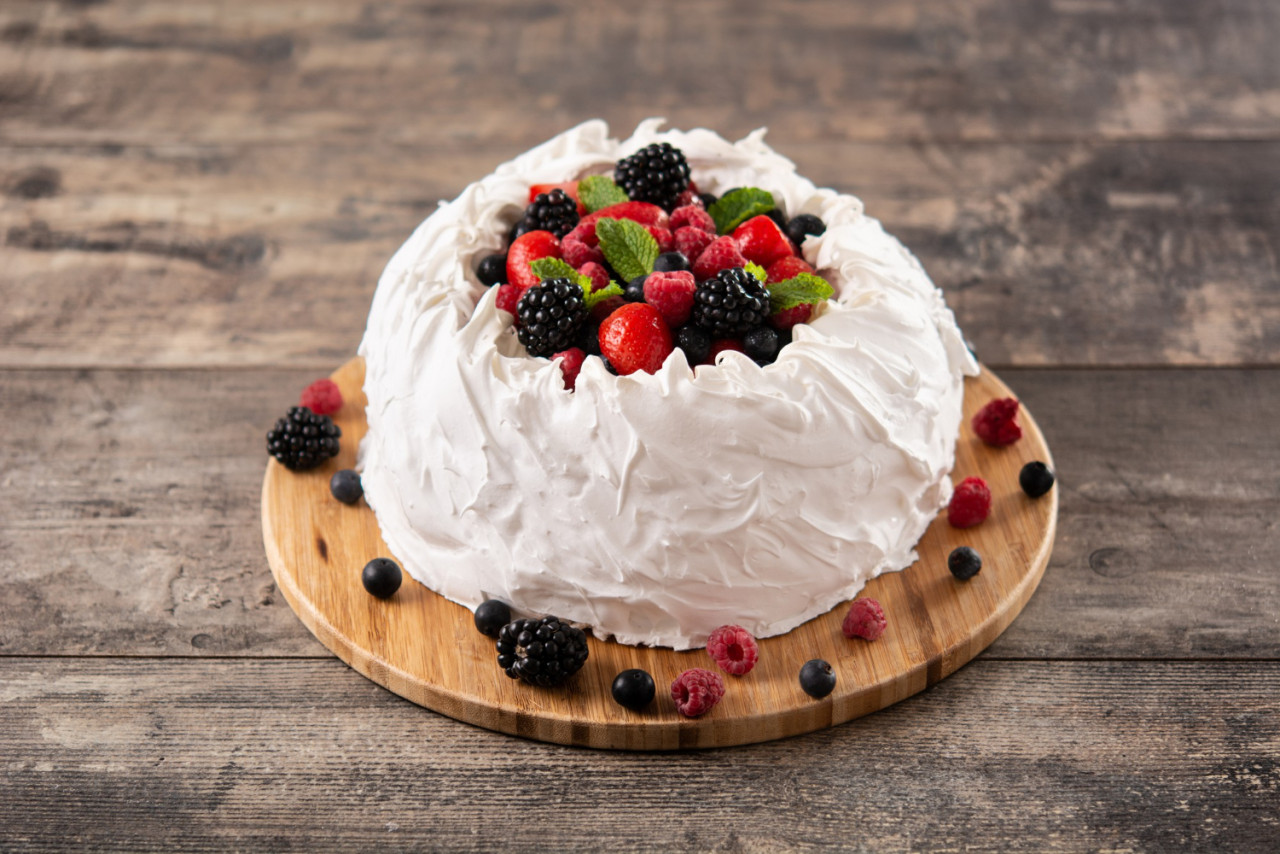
x=426, y=649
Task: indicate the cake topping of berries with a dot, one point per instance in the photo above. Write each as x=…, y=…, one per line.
x=555, y=212
x=695, y=342
x=657, y=173
x=696, y=691
x=730, y=304
x=817, y=678
x=720, y=254
x=865, y=619
x=635, y=338
x=323, y=397
x=550, y=315
x=964, y=563
x=303, y=440
x=734, y=649
x=671, y=294
x=970, y=503
x=805, y=225
x=761, y=241
x=571, y=365
x=1036, y=479
x=526, y=249
x=738, y=205
x=543, y=652
x=492, y=269
x=997, y=422
x=761, y=344
x=633, y=689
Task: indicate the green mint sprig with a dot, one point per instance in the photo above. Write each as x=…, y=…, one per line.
x=802, y=289
x=613, y=289
x=599, y=191
x=628, y=246
x=734, y=208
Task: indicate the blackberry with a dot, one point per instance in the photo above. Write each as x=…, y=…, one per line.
x=657, y=173
x=346, y=487
x=555, y=212
x=303, y=440
x=492, y=270
x=804, y=226
x=491, y=616
x=551, y=313
x=542, y=652
x=730, y=303
x=761, y=344
x=695, y=343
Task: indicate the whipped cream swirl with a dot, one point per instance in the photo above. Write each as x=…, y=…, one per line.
x=655, y=508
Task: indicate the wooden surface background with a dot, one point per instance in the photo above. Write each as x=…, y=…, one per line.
x=195, y=201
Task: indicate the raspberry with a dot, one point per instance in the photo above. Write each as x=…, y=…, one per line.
x=571, y=364
x=721, y=254
x=788, y=268
x=696, y=691
x=691, y=241
x=663, y=235
x=527, y=248
x=734, y=649
x=788, y=318
x=322, y=397
x=695, y=216
x=599, y=275
x=760, y=240
x=672, y=295
x=635, y=338
x=865, y=620
x=508, y=298
x=585, y=232
x=997, y=422
x=578, y=252
x=970, y=503
x=720, y=345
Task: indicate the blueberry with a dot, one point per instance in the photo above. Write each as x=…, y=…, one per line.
x=491, y=616
x=708, y=199
x=493, y=269
x=779, y=219
x=964, y=563
x=761, y=344
x=1036, y=479
x=589, y=338
x=695, y=342
x=633, y=689
x=608, y=366
x=381, y=577
x=345, y=486
x=634, y=291
x=817, y=678
x=670, y=262
x=803, y=226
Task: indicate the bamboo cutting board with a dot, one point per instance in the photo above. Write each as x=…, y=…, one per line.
x=427, y=649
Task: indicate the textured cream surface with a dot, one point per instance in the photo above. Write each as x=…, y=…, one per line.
x=655, y=508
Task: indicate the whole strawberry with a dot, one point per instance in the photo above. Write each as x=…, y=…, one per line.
x=760, y=240
x=529, y=247
x=672, y=295
x=635, y=338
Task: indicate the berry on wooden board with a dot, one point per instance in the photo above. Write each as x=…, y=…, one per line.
x=345, y=486
x=303, y=440
x=1036, y=479
x=734, y=649
x=543, y=652
x=970, y=503
x=323, y=397
x=491, y=616
x=696, y=692
x=865, y=619
x=817, y=678
x=381, y=577
x=633, y=689
x=964, y=563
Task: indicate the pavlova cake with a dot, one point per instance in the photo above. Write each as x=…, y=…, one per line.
x=654, y=386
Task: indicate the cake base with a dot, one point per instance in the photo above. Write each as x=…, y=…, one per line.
x=426, y=648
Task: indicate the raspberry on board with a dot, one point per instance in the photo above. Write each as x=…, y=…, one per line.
x=696, y=691
x=322, y=397
x=734, y=649
x=970, y=503
x=997, y=422
x=865, y=620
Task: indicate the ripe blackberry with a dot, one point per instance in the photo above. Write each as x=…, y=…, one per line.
x=555, y=212
x=657, y=173
x=303, y=440
x=551, y=313
x=542, y=652
x=730, y=303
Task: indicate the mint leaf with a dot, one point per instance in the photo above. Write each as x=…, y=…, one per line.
x=613, y=289
x=599, y=191
x=733, y=209
x=627, y=246
x=804, y=288
x=756, y=270
x=553, y=268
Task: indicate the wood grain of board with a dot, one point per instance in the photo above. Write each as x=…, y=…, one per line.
x=427, y=649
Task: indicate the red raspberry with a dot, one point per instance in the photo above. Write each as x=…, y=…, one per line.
x=692, y=241
x=970, y=503
x=997, y=422
x=695, y=216
x=529, y=247
x=734, y=649
x=663, y=236
x=788, y=318
x=696, y=691
x=672, y=295
x=584, y=232
x=635, y=338
x=721, y=254
x=570, y=363
x=606, y=307
x=570, y=188
x=688, y=197
x=865, y=620
x=322, y=397
x=578, y=253
x=719, y=346
x=508, y=298
x=641, y=212
x=599, y=275
x=788, y=268
x=760, y=240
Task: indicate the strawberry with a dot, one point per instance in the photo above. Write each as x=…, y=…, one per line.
x=570, y=364
x=641, y=212
x=635, y=338
x=599, y=276
x=788, y=268
x=691, y=241
x=508, y=298
x=529, y=247
x=570, y=188
x=695, y=216
x=721, y=254
x=791, y=316
x=663, y=236
x=760, y=240
x=672, y=295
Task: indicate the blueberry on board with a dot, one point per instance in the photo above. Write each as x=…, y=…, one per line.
x=633, y=689
x=964, y=563
x=491, y=616
x=817, y=678
x=345, y=486
x=381, y=577
x=1036, y=479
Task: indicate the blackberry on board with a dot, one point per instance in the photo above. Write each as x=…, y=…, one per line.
x=303, y=440
x=657, y=173
x=555, y=212
x=551, y=313
x=730, y=303
x=543, y=652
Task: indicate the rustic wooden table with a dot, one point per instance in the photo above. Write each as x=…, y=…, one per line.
x=197, y=199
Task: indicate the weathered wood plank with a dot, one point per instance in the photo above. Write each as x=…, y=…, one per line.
x=309, y=756
x=129, y=519
x=1129, y=254
x=456, y=73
